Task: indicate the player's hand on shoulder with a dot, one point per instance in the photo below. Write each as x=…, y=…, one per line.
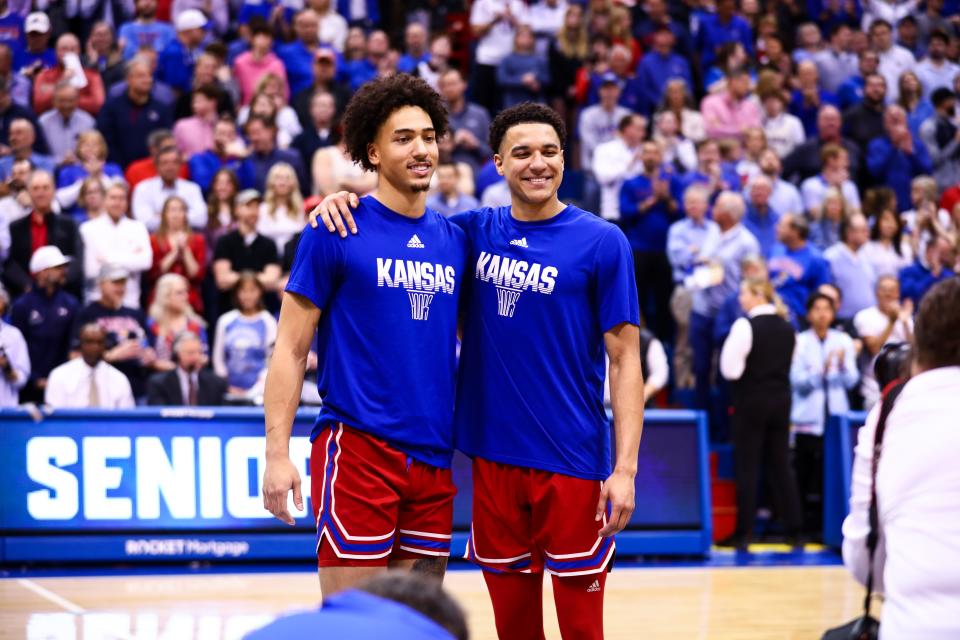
x=279, y=477
x=334, y=213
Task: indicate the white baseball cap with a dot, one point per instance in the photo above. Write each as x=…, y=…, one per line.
x=190, y=19
x=37, y=22
x=47, y=257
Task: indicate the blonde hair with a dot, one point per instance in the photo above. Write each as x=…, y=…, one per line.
x=764, y=288
x=164, y=229
x=574, y=44
x=834, y=193
x=97, y=138
x=158, y=310
x=293, y=202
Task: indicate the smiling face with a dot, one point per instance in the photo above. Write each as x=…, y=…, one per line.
x=531, y=159
x=405, y=150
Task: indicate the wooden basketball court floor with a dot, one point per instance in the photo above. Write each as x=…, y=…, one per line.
x=703, y=602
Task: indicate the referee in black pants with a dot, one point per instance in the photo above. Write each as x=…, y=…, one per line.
x=756, y=360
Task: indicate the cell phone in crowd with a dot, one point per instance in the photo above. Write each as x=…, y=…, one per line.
x=72, y=61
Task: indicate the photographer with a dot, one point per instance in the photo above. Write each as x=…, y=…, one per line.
x=917, y=484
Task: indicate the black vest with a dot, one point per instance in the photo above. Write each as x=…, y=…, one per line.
x=767, y=371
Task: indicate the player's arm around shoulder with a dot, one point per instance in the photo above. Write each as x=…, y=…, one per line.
x=335, y=213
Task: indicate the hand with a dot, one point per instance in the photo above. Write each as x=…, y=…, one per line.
x=334, y=210
x=279, y=477
x=465, y=138
x=4, y=362
x=70, y=157
x=41, y=383
x=906, y=310
x=147, y=356
x=619, y=490
x=661, y=189
x=126, y=350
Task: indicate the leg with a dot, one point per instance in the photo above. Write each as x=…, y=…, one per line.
x=662, y=276
x=808, y=467
x=435, y=567
x=579, y=601
x=643, y=275
x=425, y=521
x=701, y=343
x=355, y=506
x=517, y=604
x=747, y=444
x=776, y=453
x=501, y=543
x=334, y=579
x=577, y=557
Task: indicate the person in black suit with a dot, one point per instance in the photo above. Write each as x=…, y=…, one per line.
x=189, y=385
x=40, y=228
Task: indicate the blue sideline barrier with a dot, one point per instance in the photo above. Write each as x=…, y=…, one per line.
x=839, y=439
x=183, y=484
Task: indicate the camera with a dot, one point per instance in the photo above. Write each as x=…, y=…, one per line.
x=892, y=363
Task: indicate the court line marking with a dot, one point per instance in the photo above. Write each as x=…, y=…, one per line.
x=56, y=599
x=60, y=601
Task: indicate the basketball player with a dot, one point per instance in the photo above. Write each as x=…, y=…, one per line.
x=553, y=286
x=386, y=308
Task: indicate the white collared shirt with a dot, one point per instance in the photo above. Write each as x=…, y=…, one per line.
x=917, y=564
x=149, y=196
x=68, y=386
x=125, y=243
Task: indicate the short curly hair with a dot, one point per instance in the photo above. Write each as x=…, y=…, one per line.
x=523, y=113
x=376, y=101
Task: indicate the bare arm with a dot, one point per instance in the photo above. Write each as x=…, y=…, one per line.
x=298, y=324
x=224, y=275
x=626, y=396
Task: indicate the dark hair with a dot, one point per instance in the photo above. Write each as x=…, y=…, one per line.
x=211, y=92
x=897, y=236
x=260, y=29
x=936, y=337
x=525, y=113
x=247, y=277
x=624, y=122
x=815, y=297
x=264, y=120
x=799, y=224
x=939, y=34
x=424, y=595
x=940, y=96
x=213, y=203
x=880, y=22
x=373, y=104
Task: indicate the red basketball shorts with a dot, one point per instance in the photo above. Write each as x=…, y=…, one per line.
x=373, y=503
x=528, y=520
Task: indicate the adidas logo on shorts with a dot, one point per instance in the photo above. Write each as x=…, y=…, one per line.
x=595, y=587
x=522, y=242
x=414, y=243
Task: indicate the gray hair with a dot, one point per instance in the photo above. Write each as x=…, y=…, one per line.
x=731, y=202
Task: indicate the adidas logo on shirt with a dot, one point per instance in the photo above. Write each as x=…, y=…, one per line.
x=522, y=242
x=415, y=243
x=595, y=587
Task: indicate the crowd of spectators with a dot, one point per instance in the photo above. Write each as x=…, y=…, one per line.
x=158, y=158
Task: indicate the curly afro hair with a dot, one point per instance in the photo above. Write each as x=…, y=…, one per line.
x=524, y=113
x=376, y=101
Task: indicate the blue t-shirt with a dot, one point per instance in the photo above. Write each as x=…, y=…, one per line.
x=542, y=294
x=156, y=35
x=357, y=615
x=387, y=336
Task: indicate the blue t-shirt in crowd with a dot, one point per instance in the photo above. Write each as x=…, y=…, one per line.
x=646, y=230
x=541, y=296
x=796, y=274
x=387, y=336
x=155, y=35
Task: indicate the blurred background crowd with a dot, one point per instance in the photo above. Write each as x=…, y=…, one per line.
x=158, y=159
